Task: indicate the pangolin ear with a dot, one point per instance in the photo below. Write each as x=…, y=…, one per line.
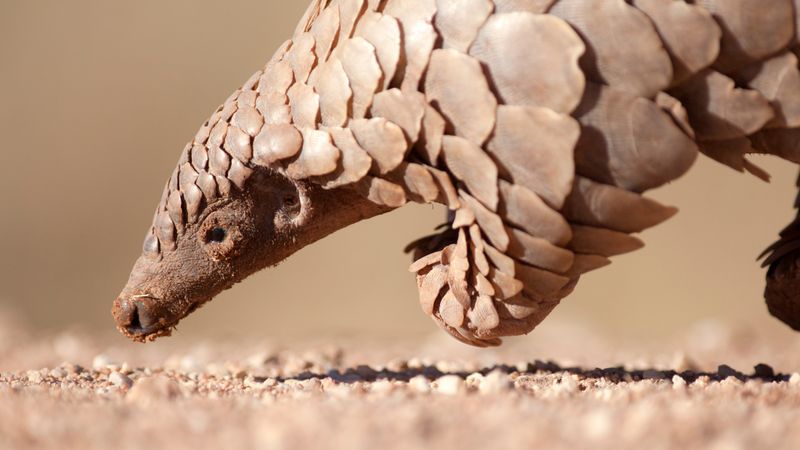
x=281, y=198
x=266, y=183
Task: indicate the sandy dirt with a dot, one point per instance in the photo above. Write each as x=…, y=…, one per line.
x=712, y=387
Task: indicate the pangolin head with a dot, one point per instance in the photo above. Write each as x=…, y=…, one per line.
x=199, y=245
x=215, y=227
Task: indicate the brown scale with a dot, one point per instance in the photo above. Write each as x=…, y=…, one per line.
x=527, y=118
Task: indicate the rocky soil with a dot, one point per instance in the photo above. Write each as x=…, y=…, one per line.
x=563, y=387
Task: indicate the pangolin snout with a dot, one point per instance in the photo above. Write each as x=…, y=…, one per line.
x=139, y=317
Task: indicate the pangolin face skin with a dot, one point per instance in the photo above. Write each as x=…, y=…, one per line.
x=209, y=255
x=233, y=237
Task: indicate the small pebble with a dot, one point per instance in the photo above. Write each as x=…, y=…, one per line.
x=382, y=386
x=420, y=384
x=101, y=362
x=311, y=385
x=148, y=390
x=58, y=373
x=730, y=384
x=34, y=376
x=447, y=366
x=702, y=381
x=119, y=380
x=415, y=363
x=293, y=384
x=450, y=385
x=189, y=385
x=474, y=379
x=253, y=383
x=495, y=382
x=568, y=385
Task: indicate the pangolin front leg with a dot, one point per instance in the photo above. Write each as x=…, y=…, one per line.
x=538, y=123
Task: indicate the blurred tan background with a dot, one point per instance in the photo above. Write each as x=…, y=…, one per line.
x=97, y=98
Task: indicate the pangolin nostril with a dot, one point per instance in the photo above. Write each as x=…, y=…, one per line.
x=136, y=316
x=135, y=324
x=142, y=320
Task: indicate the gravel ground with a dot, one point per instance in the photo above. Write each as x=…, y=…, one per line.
x=711, y=387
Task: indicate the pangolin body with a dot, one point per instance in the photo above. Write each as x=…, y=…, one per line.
x=538, y=123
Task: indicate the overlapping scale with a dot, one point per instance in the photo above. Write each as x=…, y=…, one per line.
x=532, y=60
x=317, y=157
x=533, y=147
x=361, y=66
x=751, y=29
x=456, y=85
x=689, y=33
x=639, y=64
x=383, y=32
x=458, y=22
x=720, y=110
x=415, y=18
x=629, y=141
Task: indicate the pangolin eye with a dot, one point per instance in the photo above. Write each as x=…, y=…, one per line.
x=217, y=234
x=290, y=200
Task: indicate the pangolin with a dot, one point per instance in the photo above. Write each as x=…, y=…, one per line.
x=538, y=123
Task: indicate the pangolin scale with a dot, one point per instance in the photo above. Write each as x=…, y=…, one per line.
x=538, y=123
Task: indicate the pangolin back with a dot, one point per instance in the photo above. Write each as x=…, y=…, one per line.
x=538, y=123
